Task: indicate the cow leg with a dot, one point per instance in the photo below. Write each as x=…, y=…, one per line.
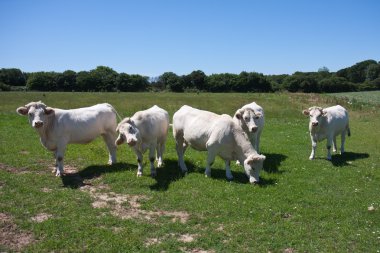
x=59, y=154
x=335, y=147
x=180, y=152
x=160, y=151
x=313, y=148
x=328, y=146
x=139, y=162
x=152, y=150
x=109, y=139
x=343, y=140
x=228, y=171
x=210, y=160
x=258, y=143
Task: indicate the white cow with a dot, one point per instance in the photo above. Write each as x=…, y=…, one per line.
x=145, y=130
x=251, y=118
x=327, y=123
x=58, y=127
x=217, y=134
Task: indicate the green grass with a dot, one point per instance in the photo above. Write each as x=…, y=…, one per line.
x=300, y=206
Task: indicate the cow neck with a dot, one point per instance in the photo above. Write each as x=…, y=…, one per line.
x=243, y=145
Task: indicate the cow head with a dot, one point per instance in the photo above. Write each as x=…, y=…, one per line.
x=249, y=119
x=37, y=112
x=252, y=166
x=128, y=132
x=316, y=115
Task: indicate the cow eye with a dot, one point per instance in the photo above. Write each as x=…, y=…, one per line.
x=130, y=128
x=246, y=119
x=257, y=117
x=30, y=114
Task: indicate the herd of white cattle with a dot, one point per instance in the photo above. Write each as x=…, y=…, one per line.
x=231, y=138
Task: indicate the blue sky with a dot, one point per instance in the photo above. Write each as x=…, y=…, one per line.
x=150, y=37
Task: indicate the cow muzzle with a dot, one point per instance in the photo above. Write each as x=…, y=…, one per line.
x=314, y=124
x=254, y=129
x=131, y=142
x=38, y=124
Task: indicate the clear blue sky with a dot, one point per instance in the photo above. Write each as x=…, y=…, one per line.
x=150, y=37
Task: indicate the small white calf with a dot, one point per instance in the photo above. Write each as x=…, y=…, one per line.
x=217, y=134
x=327, y=123
x=145, y=129
x=58, y=127
x=251, y=119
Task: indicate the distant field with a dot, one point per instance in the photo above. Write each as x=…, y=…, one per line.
x=300, y=205
x=366, y=97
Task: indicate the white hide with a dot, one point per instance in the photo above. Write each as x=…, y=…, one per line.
x=218, y=135
x=327, y=123
x=145, y=130
x=251, y=119
x=58, y=127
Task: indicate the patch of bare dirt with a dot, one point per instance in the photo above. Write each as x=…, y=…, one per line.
x=13, y=170
x=196, y=250
x=185, y=238
x=12, y=237
x=41, y=217
x=126, y=206
x=47, y=190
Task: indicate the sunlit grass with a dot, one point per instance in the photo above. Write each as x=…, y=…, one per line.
x=301, y=205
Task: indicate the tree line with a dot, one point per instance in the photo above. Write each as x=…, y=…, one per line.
x=364, y=75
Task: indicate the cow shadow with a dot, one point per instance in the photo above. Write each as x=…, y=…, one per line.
x=273, y=161
x=347, y=157
x=78, y=179
x=167, y=174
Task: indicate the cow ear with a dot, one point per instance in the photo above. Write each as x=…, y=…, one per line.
x=22, y=110
x=324, y=112
x=306, y=112
x=256, y=158
x=238, y=114
x=48, y=110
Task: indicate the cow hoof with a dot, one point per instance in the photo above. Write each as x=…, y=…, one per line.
x=230, y=179
x=237, y=163
x=153, y=174
x=328, y=158
x=58, y=173
x=311, y=158
x=139, y=174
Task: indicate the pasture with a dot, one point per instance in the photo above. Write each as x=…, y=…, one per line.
x=300, y=205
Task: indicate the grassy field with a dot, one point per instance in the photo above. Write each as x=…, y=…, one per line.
x=300, y=205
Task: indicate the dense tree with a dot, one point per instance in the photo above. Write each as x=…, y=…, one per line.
x=373, y=72
x=12, y=77
x=196, y=80
x=85, y=81
x=171, y=81
x=336, y=84
x=356, y=73
x=42, y=81
x=67, y=81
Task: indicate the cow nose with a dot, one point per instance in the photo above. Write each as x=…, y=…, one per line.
x=38, y=124
x=314, y=123
x=254, y=129
x=131, y=142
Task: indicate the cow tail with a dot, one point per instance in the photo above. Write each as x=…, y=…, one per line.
x=114, y=110
x=348, y=130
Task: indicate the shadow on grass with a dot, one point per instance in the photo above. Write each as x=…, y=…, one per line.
x=273, y=162
x=76, y=180
x=345, y=158
x=169, y=173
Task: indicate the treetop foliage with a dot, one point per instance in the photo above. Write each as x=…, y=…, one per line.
x=363, y=75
